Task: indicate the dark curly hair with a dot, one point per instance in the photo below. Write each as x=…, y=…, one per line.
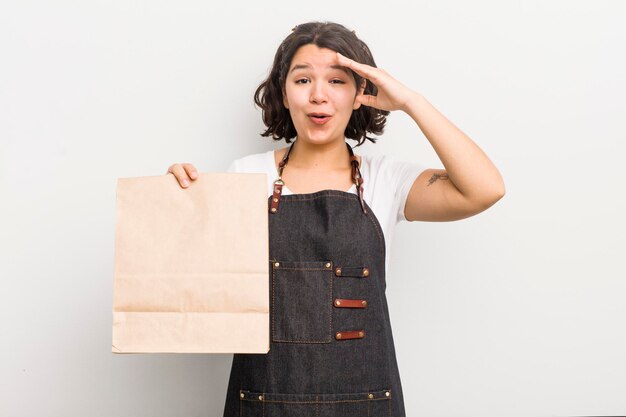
x=269, y=94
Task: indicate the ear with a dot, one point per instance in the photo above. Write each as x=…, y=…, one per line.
x=360, y=92
x=285, y=102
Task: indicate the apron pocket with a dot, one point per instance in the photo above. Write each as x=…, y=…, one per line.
x=373, y=404
x=302, y=301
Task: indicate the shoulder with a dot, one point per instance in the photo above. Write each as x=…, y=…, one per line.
x=373, y=161
x=388, y=181
x=257, y=162
x=387, y=167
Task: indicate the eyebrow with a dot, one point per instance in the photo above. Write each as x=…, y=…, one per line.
x=306, y=66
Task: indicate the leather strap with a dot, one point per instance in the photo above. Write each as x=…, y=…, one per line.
x=278, y=190
x=350, y=334
x=346, y=303
x=278, y=183
x=356, y=177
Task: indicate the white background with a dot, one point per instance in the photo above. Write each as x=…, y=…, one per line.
x=518, y=311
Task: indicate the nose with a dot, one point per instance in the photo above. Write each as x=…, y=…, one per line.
x=318, y=93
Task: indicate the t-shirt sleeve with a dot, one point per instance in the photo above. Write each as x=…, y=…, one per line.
x=392, y=181
x=405, y=175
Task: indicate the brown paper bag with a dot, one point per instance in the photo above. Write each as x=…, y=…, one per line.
x=191, y=265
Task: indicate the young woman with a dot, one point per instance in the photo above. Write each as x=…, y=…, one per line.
x=331, y=215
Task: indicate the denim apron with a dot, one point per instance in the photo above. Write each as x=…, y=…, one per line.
x=331, y=347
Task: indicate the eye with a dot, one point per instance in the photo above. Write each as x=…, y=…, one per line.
x=337, y=81
x=302, y=81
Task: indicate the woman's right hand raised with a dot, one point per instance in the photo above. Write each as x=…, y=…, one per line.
x=184, y=173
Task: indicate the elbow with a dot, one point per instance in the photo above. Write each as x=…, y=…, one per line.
x=498, y=196
x=487, y=197
x=493, y=196
x=499, y=191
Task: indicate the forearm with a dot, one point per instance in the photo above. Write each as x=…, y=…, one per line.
x=467, y=166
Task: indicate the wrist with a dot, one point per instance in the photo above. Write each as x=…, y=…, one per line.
x=413, y=104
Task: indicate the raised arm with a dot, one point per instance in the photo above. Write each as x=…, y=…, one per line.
x=470, y=182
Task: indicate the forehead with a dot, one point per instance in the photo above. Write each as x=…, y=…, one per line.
x=313, y=57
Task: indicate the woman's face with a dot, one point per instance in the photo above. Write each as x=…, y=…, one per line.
x=319, y=94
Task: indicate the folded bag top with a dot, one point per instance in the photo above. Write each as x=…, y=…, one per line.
x=191, y=265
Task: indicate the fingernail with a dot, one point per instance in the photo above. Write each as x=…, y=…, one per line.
x=185, y=183
x=193, y=174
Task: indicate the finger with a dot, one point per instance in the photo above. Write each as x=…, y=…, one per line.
x=367, y=100
x=366, y=71
x=180, y=174
x=191, y=171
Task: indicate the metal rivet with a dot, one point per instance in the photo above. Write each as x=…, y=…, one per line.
x=338, y=271
x=273, y=210
x=387, y=393
x=261, y=397
x=242, y=395
x=370, y=396
x=275, y=200
x=337, y=302
x=366, y=272
x=327, y=264
x=338, y=336
x=277, y=190
x=364, y=303
x=276, y=264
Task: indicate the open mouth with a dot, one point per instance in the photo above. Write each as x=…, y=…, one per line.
x=319, y=118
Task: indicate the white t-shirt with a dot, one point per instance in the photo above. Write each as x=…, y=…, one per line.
x=386, y=185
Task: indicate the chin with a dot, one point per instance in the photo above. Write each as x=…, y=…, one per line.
x=319, y=138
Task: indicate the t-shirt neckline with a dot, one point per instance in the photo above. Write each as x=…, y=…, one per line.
x=272, y=161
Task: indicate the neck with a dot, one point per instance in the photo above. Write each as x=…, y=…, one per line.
x=327, y=156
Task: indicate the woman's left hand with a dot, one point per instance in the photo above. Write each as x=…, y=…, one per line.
x=392, y=94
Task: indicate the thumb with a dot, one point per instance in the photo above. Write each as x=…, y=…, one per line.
x=367, y=100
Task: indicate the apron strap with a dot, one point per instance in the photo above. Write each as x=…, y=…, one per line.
x=356, y=176
x=279, y=183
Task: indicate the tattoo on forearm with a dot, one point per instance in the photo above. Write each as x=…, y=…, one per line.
x=435, y=177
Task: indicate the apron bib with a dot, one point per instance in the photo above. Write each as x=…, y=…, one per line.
x=331, y=346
